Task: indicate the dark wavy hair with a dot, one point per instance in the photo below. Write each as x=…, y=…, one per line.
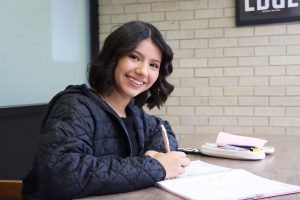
x=122, y=42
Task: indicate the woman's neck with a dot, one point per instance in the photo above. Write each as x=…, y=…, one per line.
x=117, y=103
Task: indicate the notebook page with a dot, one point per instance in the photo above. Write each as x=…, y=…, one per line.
x=198, y=167
x=226, y=185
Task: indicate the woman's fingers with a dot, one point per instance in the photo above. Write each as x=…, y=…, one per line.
x=174, y=163
x=185, y=162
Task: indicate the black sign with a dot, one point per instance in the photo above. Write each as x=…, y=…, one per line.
x=266, y=11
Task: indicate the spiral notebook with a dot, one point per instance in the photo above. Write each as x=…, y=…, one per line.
x=205, y=181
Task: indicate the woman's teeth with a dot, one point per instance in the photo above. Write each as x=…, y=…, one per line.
x=135, y=81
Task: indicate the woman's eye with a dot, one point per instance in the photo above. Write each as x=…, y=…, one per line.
x=133, y=57
x=154, y=65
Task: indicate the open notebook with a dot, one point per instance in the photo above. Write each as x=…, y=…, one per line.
x=205, y=181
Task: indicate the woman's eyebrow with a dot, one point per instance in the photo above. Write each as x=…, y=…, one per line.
x=140, y=54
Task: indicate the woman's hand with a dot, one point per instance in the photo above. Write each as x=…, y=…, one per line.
x=174, y=162
x=151, y=153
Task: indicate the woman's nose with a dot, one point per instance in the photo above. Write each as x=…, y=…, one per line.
x=142, y=69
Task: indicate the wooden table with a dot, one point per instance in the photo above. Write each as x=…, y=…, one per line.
x=283, y=165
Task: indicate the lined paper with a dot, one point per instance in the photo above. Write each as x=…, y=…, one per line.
x=205, y=181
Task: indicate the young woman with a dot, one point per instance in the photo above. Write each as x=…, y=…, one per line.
x=97, y=139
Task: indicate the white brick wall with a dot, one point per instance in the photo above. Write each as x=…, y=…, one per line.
x=244, y=80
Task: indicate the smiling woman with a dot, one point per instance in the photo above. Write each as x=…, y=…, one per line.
x=134, y=73
x=97, y=139
x=123, y=42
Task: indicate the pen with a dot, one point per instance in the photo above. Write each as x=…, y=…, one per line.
x=243, y=146
x=165, y=138
x=251, y=148
x=233, y=148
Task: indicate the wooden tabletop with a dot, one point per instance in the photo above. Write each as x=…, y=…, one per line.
x=283, y=165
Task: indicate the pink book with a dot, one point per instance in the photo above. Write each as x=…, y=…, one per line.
x=228, y=139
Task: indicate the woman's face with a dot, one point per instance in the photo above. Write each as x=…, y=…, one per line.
x=137, y=71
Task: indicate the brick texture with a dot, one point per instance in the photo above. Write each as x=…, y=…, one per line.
x=243, y=80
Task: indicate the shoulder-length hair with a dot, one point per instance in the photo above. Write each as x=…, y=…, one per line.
x=122, y=42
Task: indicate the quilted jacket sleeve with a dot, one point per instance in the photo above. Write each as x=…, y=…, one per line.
x=67, y=168
x=153, y=135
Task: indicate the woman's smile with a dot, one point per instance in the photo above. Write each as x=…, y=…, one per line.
x=137, y=71
x=135, y=82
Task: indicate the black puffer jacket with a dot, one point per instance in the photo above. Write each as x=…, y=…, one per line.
x=85, y=149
